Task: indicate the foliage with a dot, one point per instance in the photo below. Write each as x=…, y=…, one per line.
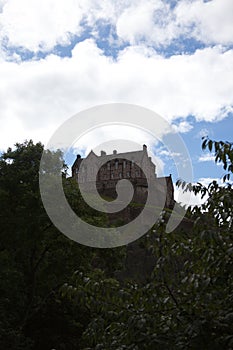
x=35, y=258
x=56, y=294
x=223, y=154
x=188, y=303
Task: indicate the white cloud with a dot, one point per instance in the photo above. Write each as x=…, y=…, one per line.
x=156, y=23
x=189, y=198
x=39, y=95
x=207, y=158
x=205, y=181
x=203, y=133
x=163, y=152
x=151, y=21
x=39, y=25
x=210, y=22
x=182, y=127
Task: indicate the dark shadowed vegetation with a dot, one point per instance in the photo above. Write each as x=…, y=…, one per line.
x=57, y=294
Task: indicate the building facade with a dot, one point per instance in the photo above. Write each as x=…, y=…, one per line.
x=106, y=170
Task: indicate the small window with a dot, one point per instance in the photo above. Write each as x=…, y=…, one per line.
x=127, y=174
x=124, y=164
x=120, y=175
x=112, y=176
x=108, y=166
x=116, y=165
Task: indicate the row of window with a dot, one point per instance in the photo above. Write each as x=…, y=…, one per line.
x=137, y=174
x=113, y=176
x=117, y=164
x=108, y=166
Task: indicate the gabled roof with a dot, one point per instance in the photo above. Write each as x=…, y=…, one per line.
x=91, y=154
x=135, y=155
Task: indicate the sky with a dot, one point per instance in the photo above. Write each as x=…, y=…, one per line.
x=58, y=58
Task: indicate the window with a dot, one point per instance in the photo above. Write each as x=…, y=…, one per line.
x=108, y=166
x=116, y=165
x=112, y=176
x=124, y=164
x=120, y=175
x=127, y=174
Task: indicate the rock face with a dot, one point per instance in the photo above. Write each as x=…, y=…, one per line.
x=139, y=264
x=140, y=261
x=136, y=167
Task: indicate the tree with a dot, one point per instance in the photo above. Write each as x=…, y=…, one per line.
x=58, y=294
x=188, y=303
x=35, y=258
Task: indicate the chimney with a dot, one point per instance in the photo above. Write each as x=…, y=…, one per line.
x=78, y=156
x=144, y=147
x=102, y=153
x=114, y=152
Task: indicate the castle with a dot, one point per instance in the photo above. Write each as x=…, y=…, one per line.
x=140, y=261
x=117, y=166
x=136, y=167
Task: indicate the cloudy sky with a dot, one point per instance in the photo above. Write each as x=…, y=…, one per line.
x=174, y=57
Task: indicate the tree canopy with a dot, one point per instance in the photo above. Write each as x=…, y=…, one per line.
x=57, y=294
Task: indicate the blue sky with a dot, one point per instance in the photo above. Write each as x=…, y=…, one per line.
x=173, y=57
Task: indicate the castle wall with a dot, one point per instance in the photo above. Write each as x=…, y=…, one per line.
x=117, y=168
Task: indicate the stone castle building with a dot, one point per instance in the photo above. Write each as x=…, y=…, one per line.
x=116, y=166
x=140, y=261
